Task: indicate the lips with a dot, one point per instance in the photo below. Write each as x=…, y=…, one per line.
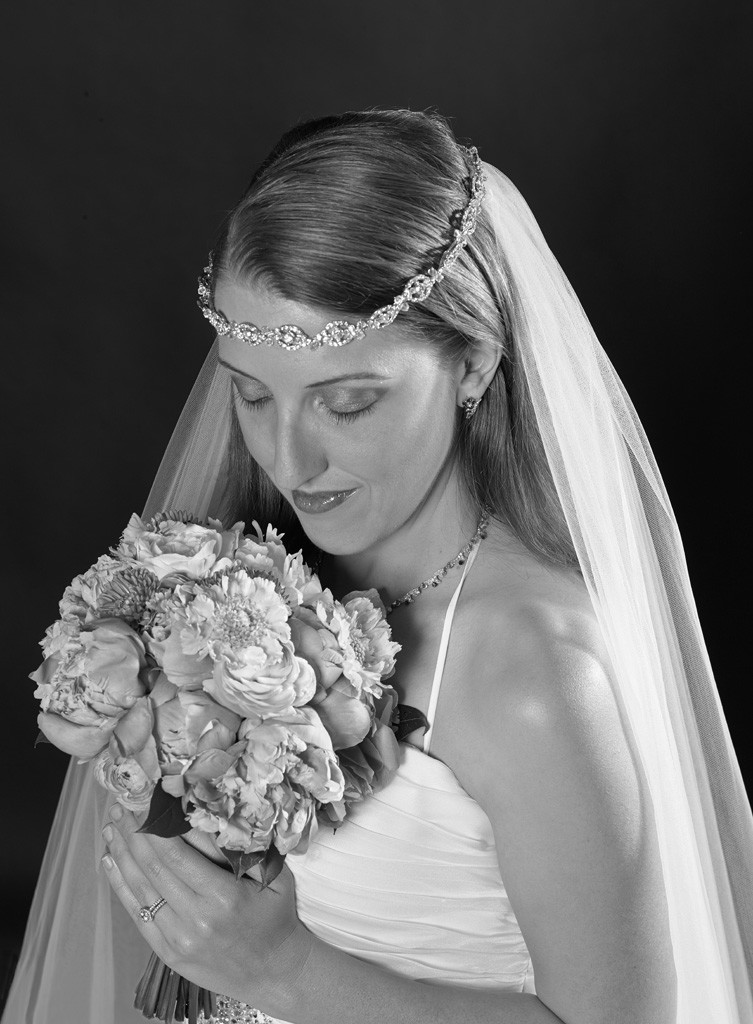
x=320, y=501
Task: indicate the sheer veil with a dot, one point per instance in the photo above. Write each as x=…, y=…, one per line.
x=82, y=957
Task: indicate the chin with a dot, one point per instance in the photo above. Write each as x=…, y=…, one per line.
x=337, y=538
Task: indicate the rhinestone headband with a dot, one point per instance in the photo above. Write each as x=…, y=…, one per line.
x=340, y=332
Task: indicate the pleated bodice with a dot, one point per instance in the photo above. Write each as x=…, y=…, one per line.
x=411, y=881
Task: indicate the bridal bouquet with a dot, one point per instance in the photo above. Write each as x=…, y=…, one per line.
x=221, y=688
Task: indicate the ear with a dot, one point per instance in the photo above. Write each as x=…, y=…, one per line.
x=476, y=372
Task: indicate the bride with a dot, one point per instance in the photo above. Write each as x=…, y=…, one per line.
x=569, y=839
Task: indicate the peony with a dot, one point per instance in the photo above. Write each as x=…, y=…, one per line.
x=346, y=716
x=369, y=765
x=166, y=546
x=191, y=722
x=234, y=639
x=317, y=644
x=267, y=556
x=296, y=822
x=262, y=789
x=363, y=634
x=133, y=732
x=213, y=665
x=261, y=689
x=342, y=701
x=91, y=674
x=59, y=636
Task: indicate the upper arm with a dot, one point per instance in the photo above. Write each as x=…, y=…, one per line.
x=573, y=824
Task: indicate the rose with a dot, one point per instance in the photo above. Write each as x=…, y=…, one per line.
x=129, y=767
x=171, y=546
x=90, y=680
x=128, y=777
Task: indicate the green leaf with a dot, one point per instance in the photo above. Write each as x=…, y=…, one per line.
x=409, y=719
x=166, y=817
x=271, y=866
x=240, y=862
x=41, y=738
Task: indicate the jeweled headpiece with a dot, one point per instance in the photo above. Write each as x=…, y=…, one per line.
x=340, y=332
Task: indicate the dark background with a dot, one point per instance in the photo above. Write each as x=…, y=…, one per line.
x=131, y=127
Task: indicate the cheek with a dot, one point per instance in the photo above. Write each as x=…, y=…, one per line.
x=258, y=439
x=406, y=449
x=399, y=449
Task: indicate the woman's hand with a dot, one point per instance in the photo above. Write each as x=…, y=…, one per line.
x=231, y=937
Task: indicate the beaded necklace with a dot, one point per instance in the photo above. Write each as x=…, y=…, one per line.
x=436, y=578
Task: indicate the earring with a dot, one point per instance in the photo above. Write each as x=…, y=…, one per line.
x=470, y=405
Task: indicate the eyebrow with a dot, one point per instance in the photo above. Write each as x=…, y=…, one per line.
x=316, y=383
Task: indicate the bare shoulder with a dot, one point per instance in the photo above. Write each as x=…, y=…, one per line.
x=542, y=747
x=540, y=685
x=530, y=668
x=537, y=663
x=530, y=628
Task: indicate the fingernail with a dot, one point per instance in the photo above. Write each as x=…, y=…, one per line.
x=107, y=833
x=107, y=861
x=116, y=812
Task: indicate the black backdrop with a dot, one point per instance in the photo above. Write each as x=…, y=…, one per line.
x=131, y=127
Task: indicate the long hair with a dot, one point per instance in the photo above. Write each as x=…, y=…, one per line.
x=342, y=212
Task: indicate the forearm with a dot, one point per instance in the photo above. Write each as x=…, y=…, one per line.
x=329, y=986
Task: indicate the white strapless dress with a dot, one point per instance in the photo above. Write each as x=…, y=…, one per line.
x=410, y=881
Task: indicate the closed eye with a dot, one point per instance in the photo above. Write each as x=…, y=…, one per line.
x=348, y=417
x=256, y=404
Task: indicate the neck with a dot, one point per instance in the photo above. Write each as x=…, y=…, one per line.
x=429, y=538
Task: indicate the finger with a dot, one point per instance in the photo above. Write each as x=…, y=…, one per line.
x=84, y=741
x=147, y=878
x=204, y=870
x=152, y=933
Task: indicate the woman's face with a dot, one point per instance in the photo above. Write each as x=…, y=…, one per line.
x=354, y=436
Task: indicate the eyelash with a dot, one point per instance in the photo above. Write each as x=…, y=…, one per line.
x=338, y=417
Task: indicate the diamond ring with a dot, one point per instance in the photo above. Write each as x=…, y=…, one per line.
x=147, y=913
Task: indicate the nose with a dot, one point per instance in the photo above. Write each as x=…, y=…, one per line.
x=298, y=455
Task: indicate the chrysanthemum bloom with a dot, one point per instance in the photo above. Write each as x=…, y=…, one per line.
x=111, y=588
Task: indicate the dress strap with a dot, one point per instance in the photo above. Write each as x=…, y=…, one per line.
x=443, y=644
